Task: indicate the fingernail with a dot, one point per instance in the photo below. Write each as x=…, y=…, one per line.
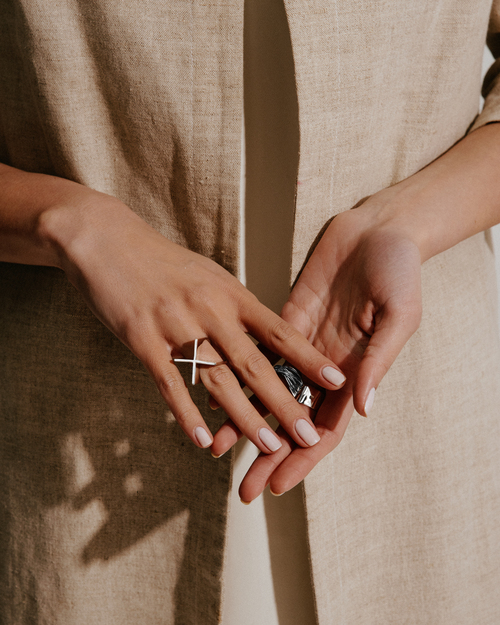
x=219, y=456
x=245, y=503
x=203, y=437
x=306, y=432
x=213, y=404
x=269, y=439
x=334, y=376
x=275, y=494
x=369, y=401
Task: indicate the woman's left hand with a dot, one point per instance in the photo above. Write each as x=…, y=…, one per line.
x=358, y=302
x=358, y=298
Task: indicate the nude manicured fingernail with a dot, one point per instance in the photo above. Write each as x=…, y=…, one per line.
x=213, y=404
x=245, y=503
x=369, y=401
x=334, y=376
x=269, y=439
x=306, y=432
x=275, y=494
x=203, y=437
x=219, y=456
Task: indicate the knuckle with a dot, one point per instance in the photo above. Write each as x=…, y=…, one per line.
x=135, y=331
x=286, y=407
x=220, y=375
x=186, y=416
x=246, y=421
x=255, y=365
x=170, y=383
x=282, y=331
x=204, y=296
x=247, y=301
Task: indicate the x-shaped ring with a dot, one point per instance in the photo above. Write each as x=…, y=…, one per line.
x=195, y=362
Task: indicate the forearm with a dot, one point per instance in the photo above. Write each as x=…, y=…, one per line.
x=453, y=198
x=158, y=297
x=42, y=215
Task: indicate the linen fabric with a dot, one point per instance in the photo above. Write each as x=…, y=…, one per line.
x=109, y=514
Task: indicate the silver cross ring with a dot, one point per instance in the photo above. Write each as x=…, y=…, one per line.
x=195, y=362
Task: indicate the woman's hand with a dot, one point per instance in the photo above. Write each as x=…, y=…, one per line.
x=358, y=298
x=157, y=298
x=357, y=301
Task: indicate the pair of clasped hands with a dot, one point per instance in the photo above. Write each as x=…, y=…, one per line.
x=352, y=309
x=355, y=304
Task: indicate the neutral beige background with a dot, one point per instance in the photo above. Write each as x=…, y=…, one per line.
x=406, y=481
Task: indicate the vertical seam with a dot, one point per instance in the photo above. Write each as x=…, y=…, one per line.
x=335, y=149
x=337, y=550
x=299, y=139
x=193, y=187
x=242, y=261
x=193, y=155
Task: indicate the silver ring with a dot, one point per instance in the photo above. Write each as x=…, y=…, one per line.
x=305, y=394
x=195, y=361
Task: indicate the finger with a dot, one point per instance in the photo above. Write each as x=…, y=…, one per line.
x=282, y=338
x=273, y=359
x=258, y=374
x=174, y=391
x=258, y=476
x=229, y=434
x=222, y=384
x=389, y=338
x=282, y=471
x=213, y=403
x=332, y=423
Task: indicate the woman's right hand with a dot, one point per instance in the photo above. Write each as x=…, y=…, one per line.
x=157, y=297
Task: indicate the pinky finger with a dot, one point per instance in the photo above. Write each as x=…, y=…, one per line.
x=229, y=434
x=174, y=391
x=263, y=468
x=291, y=464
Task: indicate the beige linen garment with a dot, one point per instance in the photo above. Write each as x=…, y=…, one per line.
x=109, y=514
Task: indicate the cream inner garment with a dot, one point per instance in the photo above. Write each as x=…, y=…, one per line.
x=266, y=577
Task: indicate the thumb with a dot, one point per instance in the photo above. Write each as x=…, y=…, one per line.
x=389, y=338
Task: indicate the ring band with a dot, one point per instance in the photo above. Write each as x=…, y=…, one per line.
x=195, y=361
x=305, y=394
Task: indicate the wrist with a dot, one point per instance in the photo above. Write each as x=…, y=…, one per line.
x=453, y=198
x=74, y=228
x=44, y=218
x=405, y=212
x=393, y=211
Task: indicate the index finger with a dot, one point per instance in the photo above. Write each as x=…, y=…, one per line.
x=282, y=338
x=291, y=464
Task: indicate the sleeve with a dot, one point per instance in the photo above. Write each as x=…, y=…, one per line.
x=491, y=84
